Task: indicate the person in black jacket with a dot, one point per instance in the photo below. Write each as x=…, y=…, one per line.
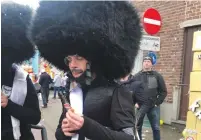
x=154, y=94
x=19, y=102
x=136, y=89
x=98, y=41
x=44, y=81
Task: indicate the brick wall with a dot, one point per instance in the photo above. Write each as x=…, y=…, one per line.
x=170, y=62
x=193, y=10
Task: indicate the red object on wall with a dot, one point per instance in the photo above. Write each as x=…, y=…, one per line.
x=152, y=21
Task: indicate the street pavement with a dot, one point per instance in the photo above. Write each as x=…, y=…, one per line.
x=51, y=114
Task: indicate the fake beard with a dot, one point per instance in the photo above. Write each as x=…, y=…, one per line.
x=83, y=79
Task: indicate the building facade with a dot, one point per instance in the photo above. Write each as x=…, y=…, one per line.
x=180, y=19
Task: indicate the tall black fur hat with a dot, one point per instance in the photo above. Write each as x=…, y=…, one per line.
x=15, y=19
x=107, y=33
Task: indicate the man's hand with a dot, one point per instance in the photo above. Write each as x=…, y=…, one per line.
x=72, y=122
x=4, y=100
x=64, y=127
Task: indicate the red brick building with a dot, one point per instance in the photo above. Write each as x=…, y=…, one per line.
x=180, y=20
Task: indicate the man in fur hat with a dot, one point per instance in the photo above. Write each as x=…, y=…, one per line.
x=98, y=41
x=19, y=102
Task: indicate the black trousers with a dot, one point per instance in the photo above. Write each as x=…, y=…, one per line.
x=140, y=114
x=45, y=94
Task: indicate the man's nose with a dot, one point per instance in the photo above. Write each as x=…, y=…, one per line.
x=73, y=63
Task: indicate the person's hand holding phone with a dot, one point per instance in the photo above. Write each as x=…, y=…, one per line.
x=72, y=122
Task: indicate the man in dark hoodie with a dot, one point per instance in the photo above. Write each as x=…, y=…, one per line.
x=154, y=94
x=19, y=102
x=136, y=89
x=45, y=81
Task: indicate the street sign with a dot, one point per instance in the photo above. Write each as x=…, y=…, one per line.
x=152, y=21
x=150, y=43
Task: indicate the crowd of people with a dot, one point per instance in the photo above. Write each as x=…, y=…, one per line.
x=95, y=43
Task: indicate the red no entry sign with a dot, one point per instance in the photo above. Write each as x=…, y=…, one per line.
x=152, y=21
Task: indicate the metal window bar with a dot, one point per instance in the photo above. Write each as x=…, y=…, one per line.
x=43, y=131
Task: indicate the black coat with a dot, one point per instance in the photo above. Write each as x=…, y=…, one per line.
x=29, y=113
x=105, y=105
x=154, y=84
x=45, y=80
x=136, y=89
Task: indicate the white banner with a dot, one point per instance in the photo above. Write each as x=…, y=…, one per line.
x=150, y=43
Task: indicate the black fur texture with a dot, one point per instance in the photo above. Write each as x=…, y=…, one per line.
x=15, y=45
x=107, y=33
